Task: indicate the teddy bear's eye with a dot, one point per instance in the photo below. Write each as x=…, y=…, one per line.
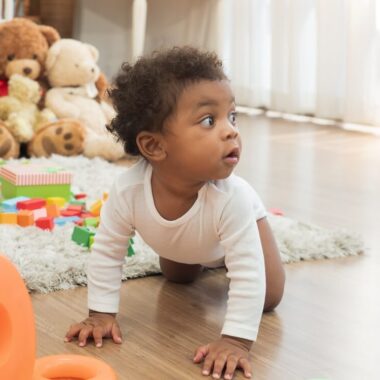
x=34, y=56
x=76, y=65
x=11, y=57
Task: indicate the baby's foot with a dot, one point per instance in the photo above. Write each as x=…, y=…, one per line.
x=64, y=137
x=9, y=147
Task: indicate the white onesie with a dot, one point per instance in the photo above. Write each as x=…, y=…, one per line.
x=221, y=224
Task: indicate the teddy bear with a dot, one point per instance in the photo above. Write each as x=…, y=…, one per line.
x=23, y=50
x=19, y=111
x=72, y=71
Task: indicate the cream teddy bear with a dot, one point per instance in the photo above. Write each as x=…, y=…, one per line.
x=19, y=111
x=72, y=72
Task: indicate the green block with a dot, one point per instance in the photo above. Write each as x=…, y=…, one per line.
x=77, y=202
x=91, y=222
x=9, y=190
x=91, y=242
x=131, y=251
x=82, y=235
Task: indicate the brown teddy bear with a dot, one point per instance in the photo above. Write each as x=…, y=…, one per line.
x=23, y=49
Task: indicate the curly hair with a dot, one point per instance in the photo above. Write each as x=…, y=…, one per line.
x=145, y=94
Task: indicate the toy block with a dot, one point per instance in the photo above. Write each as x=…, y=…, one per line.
x=31, y=204
x=86, y=214
x=59, y=201
x=34, y=180
x=131, y=251
x=91, y=241
x=53, y=210
x=105, y=196
x=25, y=218
x=91, y=222
x=77, y=208
x=79, y=222
x=46, y=223
x=96, y=207
x=81, y=235
x=61, y=221
x=80, y=196
x=39, y=213
x=78, y=202
x=8, y=218
x=70, y=213
x=10, y=205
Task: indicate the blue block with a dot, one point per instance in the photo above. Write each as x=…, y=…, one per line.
x=9, y=205
x=61, y=221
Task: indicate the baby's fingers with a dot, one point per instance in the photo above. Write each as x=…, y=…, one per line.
x=116, y=333
x=245, y=365
x=73, y=331
x=84, y=334
x=231, y=365
x=200, y=353
x=98, y=334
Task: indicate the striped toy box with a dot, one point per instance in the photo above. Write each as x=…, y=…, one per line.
x=34, y=180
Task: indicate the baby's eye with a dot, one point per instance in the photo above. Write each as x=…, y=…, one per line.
x=208, y=121
x=232, y=117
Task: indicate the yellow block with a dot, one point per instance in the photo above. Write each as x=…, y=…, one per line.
x=8, y=218
x=105, y=196
x=95, y=208
x=56, y=201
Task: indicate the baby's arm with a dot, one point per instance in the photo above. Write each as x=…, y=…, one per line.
x=244, y=261
x=104, y=274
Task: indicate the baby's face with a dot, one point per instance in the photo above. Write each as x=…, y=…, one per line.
x=201, y=137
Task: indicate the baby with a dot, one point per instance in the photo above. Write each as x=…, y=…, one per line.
x=176, y=110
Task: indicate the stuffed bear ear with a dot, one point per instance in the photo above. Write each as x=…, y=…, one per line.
x=49, y=33
x=52, y=56
x=94, y=51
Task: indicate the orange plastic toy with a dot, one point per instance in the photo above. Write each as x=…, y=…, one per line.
x=17, y=339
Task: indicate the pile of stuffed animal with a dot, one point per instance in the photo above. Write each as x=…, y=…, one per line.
x=52, y=95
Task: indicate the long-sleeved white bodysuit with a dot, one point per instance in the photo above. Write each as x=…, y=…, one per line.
x=221, y=225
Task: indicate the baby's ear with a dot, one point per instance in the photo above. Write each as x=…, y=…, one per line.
x=151, y=146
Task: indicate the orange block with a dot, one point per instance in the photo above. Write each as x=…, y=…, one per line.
x=53, y=210
x=25, y=218
x=96, y=207
x=8, y=218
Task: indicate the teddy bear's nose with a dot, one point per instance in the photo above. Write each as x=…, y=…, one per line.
x=27, y=70
x=92, y=70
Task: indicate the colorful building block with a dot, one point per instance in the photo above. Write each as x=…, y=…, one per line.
x=96, y=207
x=91, y=222
x=131, y=251
x=31, y=204
x=39, y=213
x=53, y=210
x=80, y=196
x=25, y=218
x=91, y=242
x=81, y=235
x=61, y=221
x=59, y=201
x=70, y=212
x=34, y=180
x=8, y=218
x=10, y=205
x=46, y=223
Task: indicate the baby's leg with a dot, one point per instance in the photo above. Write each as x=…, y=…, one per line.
x=180, y=273
x=274, y=271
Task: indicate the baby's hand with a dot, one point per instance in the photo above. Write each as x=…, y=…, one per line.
x=226, y=353
x=97, y=325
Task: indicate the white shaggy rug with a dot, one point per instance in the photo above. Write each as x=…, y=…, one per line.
x=50, y=261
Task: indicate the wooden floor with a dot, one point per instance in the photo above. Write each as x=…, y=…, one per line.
x=327, y=326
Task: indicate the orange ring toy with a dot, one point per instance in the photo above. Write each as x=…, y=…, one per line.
x=17, y=339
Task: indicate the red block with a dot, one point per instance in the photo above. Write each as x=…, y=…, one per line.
x=70, y=212
x=86, y=214
x=80, y=196
x=31, y=204
x=78, y=208
x=46, y=223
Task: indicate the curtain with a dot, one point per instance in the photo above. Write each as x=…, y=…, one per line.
x=308, y=57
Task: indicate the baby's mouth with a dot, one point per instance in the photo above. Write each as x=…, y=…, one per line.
x=233, y=156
